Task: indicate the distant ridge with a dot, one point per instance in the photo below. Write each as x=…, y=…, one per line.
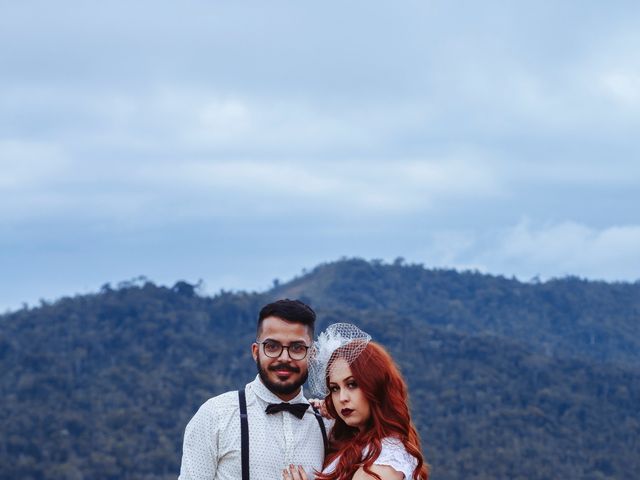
x=568, y=317
x=507, y=379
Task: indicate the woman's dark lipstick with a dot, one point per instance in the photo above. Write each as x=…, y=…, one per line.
x=346, y=412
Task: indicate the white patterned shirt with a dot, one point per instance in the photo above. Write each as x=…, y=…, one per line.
x=211, y=449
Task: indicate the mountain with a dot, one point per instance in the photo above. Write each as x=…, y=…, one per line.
x=507, y=379
x=566, y=317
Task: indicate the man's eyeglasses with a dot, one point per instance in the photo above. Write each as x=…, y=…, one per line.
x=273, y=349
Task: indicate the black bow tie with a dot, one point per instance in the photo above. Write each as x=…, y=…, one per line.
x=297, y=409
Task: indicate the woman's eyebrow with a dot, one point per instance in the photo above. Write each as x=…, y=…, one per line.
x=343, y=380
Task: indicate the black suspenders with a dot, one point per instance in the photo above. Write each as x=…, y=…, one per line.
x=322, y=428
x=244, y=433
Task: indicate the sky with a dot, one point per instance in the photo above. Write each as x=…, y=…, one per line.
x=241, y=142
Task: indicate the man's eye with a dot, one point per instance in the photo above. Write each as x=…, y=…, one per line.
x=297, y=347
x=271, y=346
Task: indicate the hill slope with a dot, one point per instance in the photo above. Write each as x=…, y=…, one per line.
x=101, y=386
x=568, y=317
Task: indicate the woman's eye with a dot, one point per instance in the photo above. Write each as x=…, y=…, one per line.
x=352, y=385
x=333, y=389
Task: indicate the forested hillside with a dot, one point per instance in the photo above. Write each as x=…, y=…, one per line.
x=569, y=317
x=507, y=379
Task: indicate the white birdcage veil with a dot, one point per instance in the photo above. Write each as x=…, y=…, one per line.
x=344, y=336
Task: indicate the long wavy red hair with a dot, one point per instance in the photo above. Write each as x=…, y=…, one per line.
x=383, y=386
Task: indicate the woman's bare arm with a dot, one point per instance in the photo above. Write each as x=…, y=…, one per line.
x=384, y=471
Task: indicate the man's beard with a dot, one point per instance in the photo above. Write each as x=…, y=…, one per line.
x=276, y=387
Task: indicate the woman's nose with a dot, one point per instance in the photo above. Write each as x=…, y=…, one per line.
x=344, y=395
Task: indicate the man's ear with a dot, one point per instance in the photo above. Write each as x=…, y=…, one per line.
x=254, y=351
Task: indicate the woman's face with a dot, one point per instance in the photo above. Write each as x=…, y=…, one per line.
x=347, y=396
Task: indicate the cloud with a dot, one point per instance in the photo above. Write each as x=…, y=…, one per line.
x=200, y=153
x=403, y=127
x=27, y=164
x=623, y=87
x=546, y=251
x=334, y=187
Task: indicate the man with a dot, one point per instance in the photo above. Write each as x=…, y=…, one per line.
x=277, y=437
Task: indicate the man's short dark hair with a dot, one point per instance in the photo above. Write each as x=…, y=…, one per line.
x=293, y=311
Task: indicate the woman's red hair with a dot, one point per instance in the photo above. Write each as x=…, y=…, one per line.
x=377, y=375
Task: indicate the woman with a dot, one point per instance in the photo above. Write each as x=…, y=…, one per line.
x=373, y=436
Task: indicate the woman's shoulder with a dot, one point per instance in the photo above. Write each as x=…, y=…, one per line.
x=393, y=453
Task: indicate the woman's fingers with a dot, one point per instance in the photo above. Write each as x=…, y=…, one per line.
x=294, y=473
x=320, y=405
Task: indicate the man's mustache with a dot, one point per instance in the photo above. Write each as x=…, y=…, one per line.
x=283, y=366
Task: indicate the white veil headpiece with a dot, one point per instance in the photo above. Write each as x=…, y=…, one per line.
x=344, y=336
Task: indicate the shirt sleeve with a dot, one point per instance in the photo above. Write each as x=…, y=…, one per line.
x=394, y=455
x=200, y=447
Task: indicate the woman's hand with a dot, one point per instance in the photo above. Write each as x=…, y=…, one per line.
x=294, y=473
x=319, y=404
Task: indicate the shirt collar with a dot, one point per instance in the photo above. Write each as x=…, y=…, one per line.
x=263, y=393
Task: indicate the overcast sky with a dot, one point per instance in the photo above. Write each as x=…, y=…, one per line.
x=238, y=142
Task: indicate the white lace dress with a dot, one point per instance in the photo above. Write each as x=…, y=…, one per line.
x=393, y=454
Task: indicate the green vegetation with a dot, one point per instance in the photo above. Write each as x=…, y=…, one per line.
x=507, y=379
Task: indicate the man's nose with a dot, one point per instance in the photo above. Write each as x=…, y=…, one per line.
x=284, y=355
